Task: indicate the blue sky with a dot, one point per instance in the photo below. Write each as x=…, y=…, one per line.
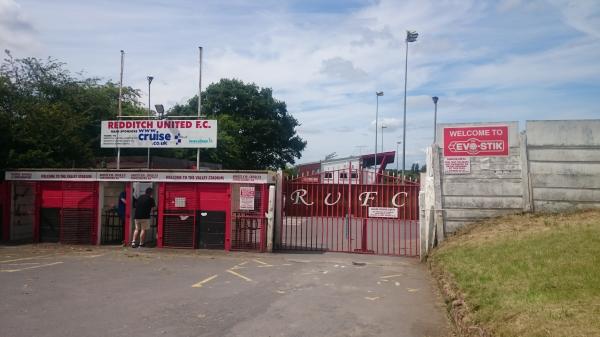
x=507, y=60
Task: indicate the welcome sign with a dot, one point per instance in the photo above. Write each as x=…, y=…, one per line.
x=159, y=134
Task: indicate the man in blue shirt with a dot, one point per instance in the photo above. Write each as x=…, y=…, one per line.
x=121, y=207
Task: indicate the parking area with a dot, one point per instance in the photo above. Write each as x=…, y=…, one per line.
x=57, y=290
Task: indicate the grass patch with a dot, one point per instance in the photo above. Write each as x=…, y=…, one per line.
x=526, y=275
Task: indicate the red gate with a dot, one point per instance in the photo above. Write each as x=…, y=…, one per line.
x=350, y=210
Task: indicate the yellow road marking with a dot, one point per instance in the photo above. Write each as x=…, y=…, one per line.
x=32, y=267
x=239, y=275
x=199, y=284
x=28, y=258
x=390, y=276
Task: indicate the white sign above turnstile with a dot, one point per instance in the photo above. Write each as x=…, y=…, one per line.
x=206, y=177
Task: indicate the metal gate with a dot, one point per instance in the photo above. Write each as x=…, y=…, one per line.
x=68, y=212
x=350, y=210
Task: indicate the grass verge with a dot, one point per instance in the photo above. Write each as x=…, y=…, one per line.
x=524, y=275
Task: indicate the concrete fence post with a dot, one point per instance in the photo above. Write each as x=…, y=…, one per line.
x=270, y=217
x=525, y=176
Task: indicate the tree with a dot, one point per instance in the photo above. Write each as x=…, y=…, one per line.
x=255, y=129
x=49, y=118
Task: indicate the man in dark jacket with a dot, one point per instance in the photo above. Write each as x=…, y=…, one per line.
x=143, y=208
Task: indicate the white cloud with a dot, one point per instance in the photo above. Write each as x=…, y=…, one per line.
x=486, y=61
x=16, y=31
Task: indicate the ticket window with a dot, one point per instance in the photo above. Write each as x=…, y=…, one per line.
x=138, y=189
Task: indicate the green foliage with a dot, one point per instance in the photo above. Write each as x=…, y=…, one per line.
x=255, y=130
x=50, y=118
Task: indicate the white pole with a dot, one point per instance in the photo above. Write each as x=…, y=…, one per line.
x=404, y=121
x=120, y=109
x=150, y=78
x=199, y=100
x=376, y=126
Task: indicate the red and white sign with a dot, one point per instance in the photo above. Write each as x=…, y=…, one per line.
x=383, y=212
x=480, y=141
x=247, y=198
x=203, y=177
x=457, y=165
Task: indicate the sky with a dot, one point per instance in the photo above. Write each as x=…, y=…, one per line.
x=487, y=61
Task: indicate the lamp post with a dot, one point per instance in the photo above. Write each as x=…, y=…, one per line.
x=377, y=94
x=410, y=37
x=435, y=100
x=150, y=78
x=397, y=144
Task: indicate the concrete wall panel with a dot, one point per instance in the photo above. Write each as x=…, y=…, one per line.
x=561, y=206
x=565, y=168
x=566, y=194
x=565, y=154
x=478, y=202
x=565, y=180
x=564, y=133
x=484, y=187
x=474, y=214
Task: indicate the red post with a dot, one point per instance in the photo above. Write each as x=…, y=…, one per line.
x=6, y=205
x=228, y=220
x=161, y=210
x=37, y=208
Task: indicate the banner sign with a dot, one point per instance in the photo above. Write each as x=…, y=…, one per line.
x=204, y=177
x=457, y=165
x=159, y=134
x=476, y=141
x=247, y=198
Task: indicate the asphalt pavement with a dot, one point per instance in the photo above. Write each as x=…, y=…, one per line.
x=57, y=290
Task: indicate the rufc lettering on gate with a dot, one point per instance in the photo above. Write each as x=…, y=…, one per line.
x=365, y=198
x=476, y=141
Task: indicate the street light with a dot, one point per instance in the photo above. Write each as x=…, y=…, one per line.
x=160, y=110
x=410, y=37
x=150, y=78
x=377, y=94
x=435, y=100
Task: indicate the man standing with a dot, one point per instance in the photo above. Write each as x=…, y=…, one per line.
x=143, y=208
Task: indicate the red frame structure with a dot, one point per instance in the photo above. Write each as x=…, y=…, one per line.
x=361, y=213
x=76, y=204
x=68, y=195
x=198, y=197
